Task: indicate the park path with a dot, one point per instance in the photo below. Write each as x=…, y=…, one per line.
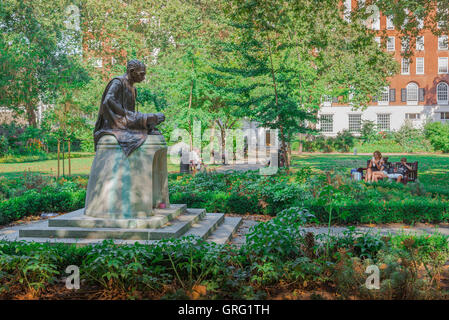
x=11, y=233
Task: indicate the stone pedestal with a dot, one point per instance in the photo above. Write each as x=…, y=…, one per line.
x=131, y=187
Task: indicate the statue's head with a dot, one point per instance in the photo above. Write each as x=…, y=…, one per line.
x=136, y=70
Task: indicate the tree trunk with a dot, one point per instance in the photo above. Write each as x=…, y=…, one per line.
x=31, y=116
x=211, y=143
x=223, y=145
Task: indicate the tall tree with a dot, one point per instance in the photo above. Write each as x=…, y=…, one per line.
x=34, y=61
x=286, y=55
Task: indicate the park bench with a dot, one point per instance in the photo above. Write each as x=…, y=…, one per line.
x=411, y=176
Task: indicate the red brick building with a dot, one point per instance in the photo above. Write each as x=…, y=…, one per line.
x=419, y=93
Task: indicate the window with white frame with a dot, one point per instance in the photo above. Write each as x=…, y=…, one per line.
x=384, y=96
x=419, y=65
x=412, y=92
x=444, y=115
x=355, y=122
x=327, y=123
x=443, y=65
x=412, y=116
x=405, y=66
x=443, y=43
x=442, y=93
x=390, y=24
x=390, y=44
x=383, y=121
x=420, y=43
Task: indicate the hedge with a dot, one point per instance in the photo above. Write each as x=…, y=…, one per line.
x=32, y=203
x=405, y=211
x=411, y=210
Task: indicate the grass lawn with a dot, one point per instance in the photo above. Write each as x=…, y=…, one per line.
x=80, y=166
x=433, y=169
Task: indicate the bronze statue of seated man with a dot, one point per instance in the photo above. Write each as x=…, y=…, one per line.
x=117, y=115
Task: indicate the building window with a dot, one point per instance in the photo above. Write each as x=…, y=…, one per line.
x=443, y=43
x=355, y=122
x=327, y=123
x=390, y=25
x=384, y=96
x=419, y=65
x=444, y=115
x=420, y=43
x=405, y=66
x=383, y=122
x=412, y=92
x=390, y=44
x=442, y=65
x=412, y=116
x=442, y=93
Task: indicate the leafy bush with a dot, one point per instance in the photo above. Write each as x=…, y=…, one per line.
x=438, y=135
x=11, y=158
x=411, y=139
x=344, y=141
x=276, y=252
x=50, y=199
x=368, y=132
x=407, y=211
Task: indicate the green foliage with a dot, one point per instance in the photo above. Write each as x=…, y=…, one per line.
x=4, y=146
x=343, y=142
x=279, y=237
x=276, y=252
x=42, y=157
x=438, y=135
x=407, y=211
x=18, y=141
x=35, y=67
x=368, y=132
x=410, y=138
x=50, y=198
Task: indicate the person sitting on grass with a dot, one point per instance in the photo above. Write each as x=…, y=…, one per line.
x=401, y=171
x=375, y=168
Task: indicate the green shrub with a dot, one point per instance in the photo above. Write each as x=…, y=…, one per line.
x=438, y=135
x=344, y=141
x=407, y=211
x=242, y=203
x=368, y=132
x=411, y=139
x=50, y=199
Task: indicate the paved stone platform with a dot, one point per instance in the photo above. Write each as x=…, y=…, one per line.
x=174, y=222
